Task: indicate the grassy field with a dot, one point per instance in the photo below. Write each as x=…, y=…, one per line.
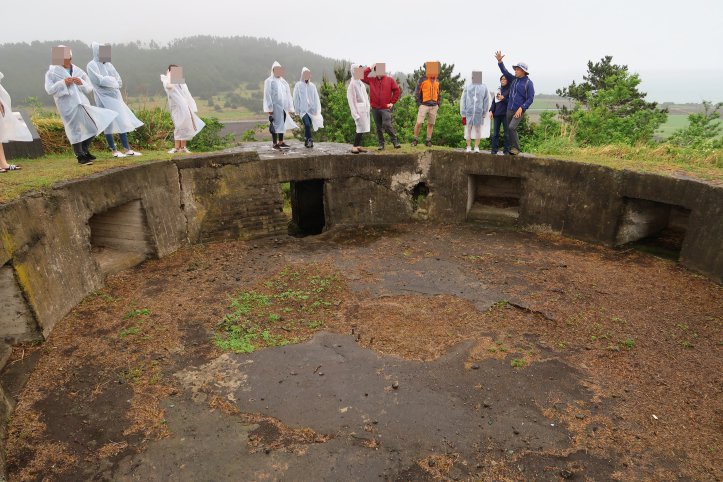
x=675, y=122
x=218, y=106
x=40, y=174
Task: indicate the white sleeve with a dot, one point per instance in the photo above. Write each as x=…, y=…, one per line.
x=297, y=97
x=351, y=99
x=318, y=101
x=268, y=107
x=86, y=86
x=56, y=89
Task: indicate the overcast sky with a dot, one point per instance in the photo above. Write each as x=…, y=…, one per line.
x=675, y=46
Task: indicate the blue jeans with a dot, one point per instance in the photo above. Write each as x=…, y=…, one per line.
x=123, y=139
x=307, y=126
x=500, y=120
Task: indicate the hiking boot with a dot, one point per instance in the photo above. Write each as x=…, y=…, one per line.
x=397, y=145
x=277, y=147
x=428, y=143
x=415, y=142
x=381, y=147
x=284, y=145
x=90, y=156
x=311, y=144
x=84, y=161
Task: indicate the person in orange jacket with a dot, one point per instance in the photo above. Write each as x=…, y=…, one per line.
x=429, y=98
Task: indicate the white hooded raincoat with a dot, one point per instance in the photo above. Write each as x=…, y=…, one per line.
x=183, y=110
x=11, y=127
x=82, y=121
x=107, y=83
x=277, y=100
x=307, y=101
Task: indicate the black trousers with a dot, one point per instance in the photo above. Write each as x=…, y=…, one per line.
x=81, y=148
x=383, y=121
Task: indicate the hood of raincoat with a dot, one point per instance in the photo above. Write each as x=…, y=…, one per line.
x=351, y=70
x=301, y=77
x=95, y=46
x=276, y=64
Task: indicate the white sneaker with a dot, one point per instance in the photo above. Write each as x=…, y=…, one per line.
x=118, y=154
x=476, y=149
x=131, y=152
x=173, y=151
x=469, y=149
x=185, y=150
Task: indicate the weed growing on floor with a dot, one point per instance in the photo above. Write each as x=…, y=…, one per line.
x=294, y=301
x=517, y=363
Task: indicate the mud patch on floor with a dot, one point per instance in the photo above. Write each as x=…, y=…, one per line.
x=573, y=337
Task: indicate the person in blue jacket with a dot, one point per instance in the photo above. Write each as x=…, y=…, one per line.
x=498, y=114
x=522, y=93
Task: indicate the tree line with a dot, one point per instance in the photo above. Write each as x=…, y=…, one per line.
x=212, y=65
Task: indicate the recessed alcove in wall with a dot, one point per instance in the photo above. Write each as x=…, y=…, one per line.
x=653, y=226
x=493, y=199
x=17, y=323
x=120, y=237
x=307, y=207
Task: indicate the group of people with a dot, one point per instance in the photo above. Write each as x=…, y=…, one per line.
x=478, y=108
x=68, y=84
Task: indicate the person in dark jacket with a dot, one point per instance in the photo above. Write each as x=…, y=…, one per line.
x=521, y=95
x=383, y=94
x=498, y=113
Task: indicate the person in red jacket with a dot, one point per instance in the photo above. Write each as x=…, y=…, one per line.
x=383, y=94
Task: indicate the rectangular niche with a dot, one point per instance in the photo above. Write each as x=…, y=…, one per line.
x=493, y=199
x=120, y=238
x=17, y=323
x=653, y=226
x=307, y=207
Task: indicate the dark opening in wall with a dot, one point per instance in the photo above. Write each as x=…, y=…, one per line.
x=651, y=226
x=307, y=207
x=493, y=199
x=120, y=237
x=17, y=323
x=419, y=195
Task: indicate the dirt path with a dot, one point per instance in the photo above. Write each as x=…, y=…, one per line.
x=416, y=352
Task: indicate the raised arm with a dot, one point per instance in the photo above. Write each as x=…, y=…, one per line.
x=499, y=56
x=367, y=71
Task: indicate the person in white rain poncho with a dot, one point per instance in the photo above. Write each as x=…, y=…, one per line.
x=358, y=99
x=107, y=83
x=308, y=105
x=11, y=128
x=278, y=104
x=183, y=113
x=473, y=108
x=68, y=85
